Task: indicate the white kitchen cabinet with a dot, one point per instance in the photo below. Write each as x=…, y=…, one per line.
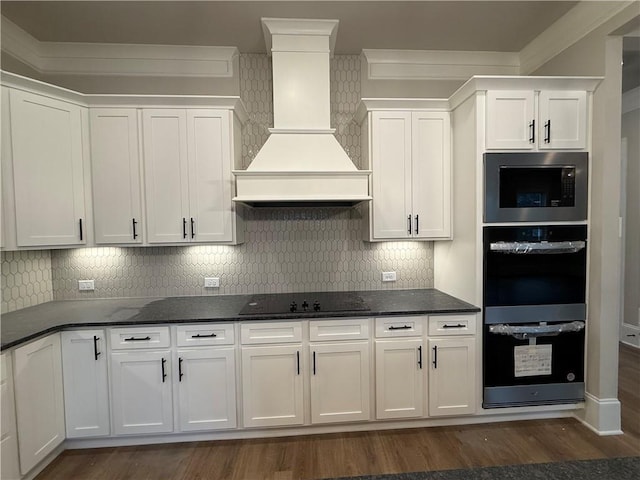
x=530, y=120
x=188, y=159
x=86, y=386
x=9, y=461
x=206, y=384
x=115, y=171
x=399, y=378
x=48, y=137
x=39, y=399
x=410, y=157
x=340, y=382
x=141, y=391
x=452, y=376
x=272, y=385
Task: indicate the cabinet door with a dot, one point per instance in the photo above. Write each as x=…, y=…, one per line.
x=206, y=388
x=210, y=179
x=141, y=392
x=166, y=180
x=340, y=382
x=563, y=120
x=48, y=175
x=431, y=174
x=452, y=377
x=86, y=389
x=391, y=165
x=510, y=120
x=272, y=386
x=399, y=378
x=116, y=175
x=39, y=400
x=9, y=463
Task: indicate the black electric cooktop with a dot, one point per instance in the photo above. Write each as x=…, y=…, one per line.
x=320, y=302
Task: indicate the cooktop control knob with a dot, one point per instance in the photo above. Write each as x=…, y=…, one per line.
x=293, y=307
x=305, y=306
x=316, y=306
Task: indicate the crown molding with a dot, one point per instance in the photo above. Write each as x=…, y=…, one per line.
x=118, y=59
x=437, y=64
x=574, y=25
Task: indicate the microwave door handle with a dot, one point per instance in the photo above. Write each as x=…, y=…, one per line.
x=521, y=248
x=531, y=331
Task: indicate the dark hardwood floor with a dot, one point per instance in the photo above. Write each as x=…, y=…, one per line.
x=351, y=454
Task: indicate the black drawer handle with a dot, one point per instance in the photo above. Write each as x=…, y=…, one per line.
x=314, y=363
x=96, y=353
x=532, y=129
x=209, y=335
x=193, y=228
x=547, y=129
x=458, y=325
x=420, y=357
x=403, y=327
x=435, y=357
x=137, y=339
x=134, y=223
x=298, y=361
x=184, y=227
x=164, y=373
x=81, y=234
x=180, y=374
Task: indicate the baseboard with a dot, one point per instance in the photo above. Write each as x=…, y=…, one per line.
x=602, y=415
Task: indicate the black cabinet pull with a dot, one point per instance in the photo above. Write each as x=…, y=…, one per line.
x=96, y=353
x=134, y=223
x=137, y=339
x=420, y=357
x=403, y=327
x=409, y=224
x=417, y=224
x=298, y=361
x=164, y=373
x=80, y=223
x=458, y=325
x=209, y=335
x=184, y=227
x=180, y=374
x=314, y=363
x=532, y=127
x=547, y=132
x=193, y=228
x=435, y=357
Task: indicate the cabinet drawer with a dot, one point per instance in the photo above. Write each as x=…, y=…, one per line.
x=139, y=337
x=400, y=326
x=205, y=335
x=452, y=325
x=270, y=332
x=339, y=329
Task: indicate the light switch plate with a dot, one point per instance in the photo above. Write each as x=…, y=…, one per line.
x=211, y=282
x=86, y=285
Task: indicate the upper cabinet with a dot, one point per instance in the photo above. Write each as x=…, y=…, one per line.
x=542, y=120
x=45, y=168
x=115, y=168
x=409, y=153
x=188, y=158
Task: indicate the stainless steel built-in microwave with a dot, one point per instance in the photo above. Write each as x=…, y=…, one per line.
x=535, y=187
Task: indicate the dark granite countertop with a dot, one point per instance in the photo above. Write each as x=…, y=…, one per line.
x=29, y=323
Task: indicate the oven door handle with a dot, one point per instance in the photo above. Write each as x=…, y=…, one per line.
x=522, y=332
x=571, y=246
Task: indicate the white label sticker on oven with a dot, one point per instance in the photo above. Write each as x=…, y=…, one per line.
x=532, y=360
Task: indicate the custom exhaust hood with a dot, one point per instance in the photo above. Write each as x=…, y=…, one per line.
x=301, y=163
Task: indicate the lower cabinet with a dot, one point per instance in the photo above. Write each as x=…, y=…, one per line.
x=340, y=382
x=206, y=388
x=9, y=462
x=86, y=386
x=141, y=392
x=452, y=385
x=39, y=399
x=272, y=385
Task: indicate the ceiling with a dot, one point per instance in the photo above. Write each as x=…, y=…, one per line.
x=504, y=26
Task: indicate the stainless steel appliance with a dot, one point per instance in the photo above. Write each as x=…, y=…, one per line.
x=535, y=187
x=534, y=314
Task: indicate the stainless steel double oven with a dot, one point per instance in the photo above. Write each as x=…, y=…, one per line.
x=534, y=279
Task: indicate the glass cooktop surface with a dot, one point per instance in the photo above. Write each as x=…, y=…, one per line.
x=314, y=302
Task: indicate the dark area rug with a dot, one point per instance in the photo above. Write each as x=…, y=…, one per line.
x=627, y=468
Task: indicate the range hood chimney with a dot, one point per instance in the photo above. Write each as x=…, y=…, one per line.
x=301, y=163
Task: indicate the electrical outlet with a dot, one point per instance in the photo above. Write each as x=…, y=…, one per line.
x=86, y=285
x=388, y=276
x=211, y=282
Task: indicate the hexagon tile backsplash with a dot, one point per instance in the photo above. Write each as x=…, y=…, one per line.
x=286, y=250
